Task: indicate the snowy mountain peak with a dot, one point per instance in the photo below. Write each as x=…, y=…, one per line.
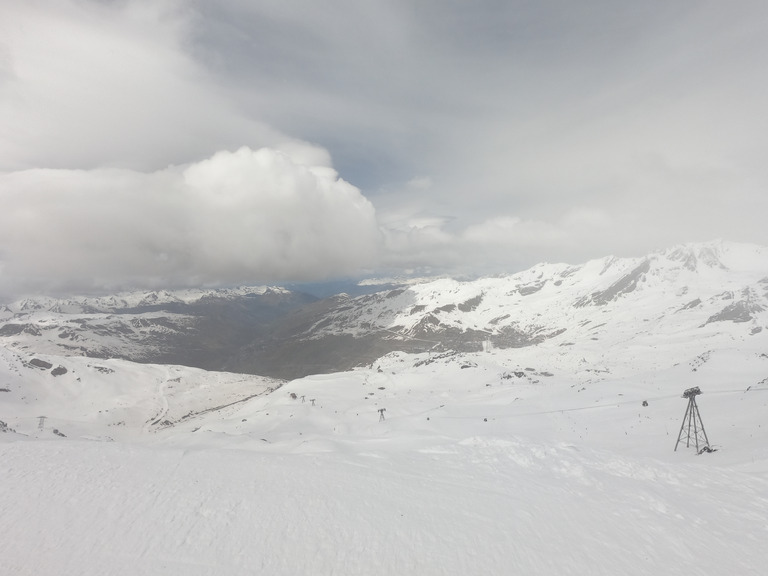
x=691, y=256
x=716, y=254
x=703, y=290
x=671, y=291
x=138, y=299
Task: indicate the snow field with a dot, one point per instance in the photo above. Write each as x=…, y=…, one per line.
x=483, y=505
x=528, y=461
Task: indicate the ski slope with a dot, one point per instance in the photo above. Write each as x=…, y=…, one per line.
x=504, y=462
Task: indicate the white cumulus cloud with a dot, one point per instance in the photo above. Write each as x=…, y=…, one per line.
x=244, y=216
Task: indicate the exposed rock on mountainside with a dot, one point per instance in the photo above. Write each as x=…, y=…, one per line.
x=193, y=328
x=685, y=288
x=623, y=285
x=711, y=290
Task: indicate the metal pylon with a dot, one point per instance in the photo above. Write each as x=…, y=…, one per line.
x=692, y=428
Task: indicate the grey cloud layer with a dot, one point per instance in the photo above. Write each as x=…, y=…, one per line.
x=488, y=135
x=90, y=84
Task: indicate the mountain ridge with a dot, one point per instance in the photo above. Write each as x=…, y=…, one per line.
x=692, y=288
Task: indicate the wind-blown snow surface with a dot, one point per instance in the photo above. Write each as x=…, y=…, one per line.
x=551, y=458
x=525, y=461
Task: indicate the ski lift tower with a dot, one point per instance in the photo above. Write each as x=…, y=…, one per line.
x=692, y=427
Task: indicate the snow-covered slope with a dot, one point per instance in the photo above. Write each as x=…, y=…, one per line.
x=132, y=300
x=686, y=286
x=112, y=399
x=193, y=327
x=715, y=291
x=491, y=462
x=554, y=458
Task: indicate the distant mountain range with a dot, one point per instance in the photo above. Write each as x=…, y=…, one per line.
x=716, y=291
x=199, y=328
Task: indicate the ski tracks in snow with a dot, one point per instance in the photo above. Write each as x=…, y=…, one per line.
x=158, y=417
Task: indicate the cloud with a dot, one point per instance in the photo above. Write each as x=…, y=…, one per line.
x=237, y=217
x=421, y=183
x=88, y=84
x=261, y=212
x=512, y=231
x=500, y=244
x=488, y=137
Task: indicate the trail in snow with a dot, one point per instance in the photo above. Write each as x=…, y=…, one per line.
x=470, y=473
x=155, y=420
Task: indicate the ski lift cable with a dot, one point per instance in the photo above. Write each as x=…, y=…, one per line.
x=593, y=407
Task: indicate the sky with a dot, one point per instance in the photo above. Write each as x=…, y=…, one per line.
x=185, y=143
